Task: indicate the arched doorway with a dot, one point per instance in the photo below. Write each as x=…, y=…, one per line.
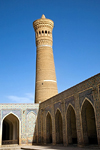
x=58, y=125
x=10, y=130
x=71, y=126
x=48, y=129
x=88, y=123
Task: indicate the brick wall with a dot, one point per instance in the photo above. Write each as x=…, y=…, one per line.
x=75, y=97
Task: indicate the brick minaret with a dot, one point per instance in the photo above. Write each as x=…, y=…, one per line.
x=46, y=85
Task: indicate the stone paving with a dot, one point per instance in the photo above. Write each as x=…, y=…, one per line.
x=92, y=147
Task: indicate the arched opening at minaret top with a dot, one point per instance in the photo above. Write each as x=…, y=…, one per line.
x=10, y=130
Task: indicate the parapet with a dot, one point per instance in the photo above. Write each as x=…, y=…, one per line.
x=43, y=22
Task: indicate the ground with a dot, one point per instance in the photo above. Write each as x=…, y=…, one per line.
x=92, y=147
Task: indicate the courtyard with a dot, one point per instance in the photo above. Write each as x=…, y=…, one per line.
x=57, y=147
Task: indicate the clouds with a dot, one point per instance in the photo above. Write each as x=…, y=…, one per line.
x=28, y=98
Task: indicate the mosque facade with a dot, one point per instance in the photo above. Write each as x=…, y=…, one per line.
x=70, y=117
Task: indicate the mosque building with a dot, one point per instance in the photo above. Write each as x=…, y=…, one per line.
x=70, y=117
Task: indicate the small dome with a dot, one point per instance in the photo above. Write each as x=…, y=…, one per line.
x=43, y=16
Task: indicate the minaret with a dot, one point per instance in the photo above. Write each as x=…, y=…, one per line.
x=46, y=85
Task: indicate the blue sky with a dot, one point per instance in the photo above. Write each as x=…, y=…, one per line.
x=76, y=44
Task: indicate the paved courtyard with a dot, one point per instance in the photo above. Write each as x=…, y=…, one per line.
x=92, y=147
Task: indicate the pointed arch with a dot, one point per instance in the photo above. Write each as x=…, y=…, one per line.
x=10, y=127
x=70, y=105
x=88, y=122
x=59, y=127
x=86, y=99
x=71, y=125
x=48, y=128
x=31, y=112
x=58, y=110
x=31, y=120
x=48, y=113
x=11, y=114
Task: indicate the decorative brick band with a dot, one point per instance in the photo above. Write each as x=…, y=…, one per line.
x=47, y=81
x=50, y=80
x=44, y=45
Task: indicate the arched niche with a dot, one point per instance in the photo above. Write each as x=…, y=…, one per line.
x=10, y=130
x=48, y=128
x=59, y=127
x=71, y=126
x=31, y=120
x=88, y=123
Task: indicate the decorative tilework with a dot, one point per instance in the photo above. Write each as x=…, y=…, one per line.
x=83, y=95
x=31, y=119
x=28, y=112
x=48, y=109
x=33, y=110
x=22, y=111
x=57, y=105
x=30, y=140
x=70, y=100
x=23, y=141
x=16, y=112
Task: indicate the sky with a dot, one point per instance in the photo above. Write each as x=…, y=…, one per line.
x=76, y=44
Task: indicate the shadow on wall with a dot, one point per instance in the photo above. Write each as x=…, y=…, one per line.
x=43, y=133
x=72, y=120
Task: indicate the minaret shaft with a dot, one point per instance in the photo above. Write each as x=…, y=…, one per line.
x=46, y=85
